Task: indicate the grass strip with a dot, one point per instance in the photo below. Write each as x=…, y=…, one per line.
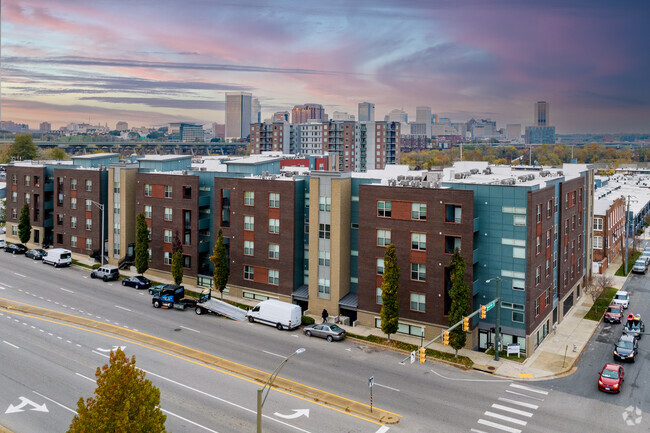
x=602, y=302
x=620, y=272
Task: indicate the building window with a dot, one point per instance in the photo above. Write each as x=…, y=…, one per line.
x=187, y=261
x=419, y=241
x=418, y=272
x=249, y=272
x=147, y=211
x=168, y=191
x=28, y=180
x=249, y=248
x=89, y=244
x=598, y=242
x=14, y=230
x=417, y=302
x=538, y=276
x=451, y=243
x=548, y=267
x=519, y=220
x=323, y=287
x=274, y=199
x=28, y=198
x=536, y=307
x=324, y=231
x=323, y=258
x=249, y=222
x=167, y=236
x=116, y=228
x=324, y=203
x=548, y=238
x=89, y=185
x=73, y=203
x=274, y=277
x=598, y=223
x=383, y=209
x=73, y=184
x=249, y=198
x=116, y=208
x=518, y=253
x=274, y=251
x=14, y=213
x=89, y=205
x=168, y=214
x=547, y=299
x=517, y=317
x=73, y=241
x=383, y=238
x=147, y=190
x=116, y=187
x=274, y=225
x=73, y=222
x=554, y=259
x=419, y=211
x=187, y=194
x=378, y=299
x=549, y=209
x=14, y=196
x=89, y=224
x=539, y=213
x=167, y=260
x=380, y=266
x=518, y=285
x=538, y=243
x=573, y=222
x=14, y=179
x=453, y=213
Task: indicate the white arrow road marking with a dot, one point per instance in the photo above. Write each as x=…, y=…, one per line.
x=114, y=348
x=55, y=402
x=122, y=308
x=25, y=402
x=297, y=413
x=12, y=345
x=66, y=290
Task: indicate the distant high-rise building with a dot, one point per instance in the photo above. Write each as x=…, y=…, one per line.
x=397, y=115
x=256, y=111
x=219, y=130
x=513, y=131
x=366, y=112
x=339, y=115
x=45, y=127
x=121, y=126
x=185, y=132
x=423, y=117
x=238, y=114
x=280, y=116
x=306, y=112
x=541, y=114
x=540, y=135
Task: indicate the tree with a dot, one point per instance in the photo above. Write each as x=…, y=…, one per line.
x=177, y=259
x=56, y=154
x=23, y=148
x=124, y=401
x=219, y=259
x=459, y=296
x=141, y=244
x=389, y=289
x=24, y=225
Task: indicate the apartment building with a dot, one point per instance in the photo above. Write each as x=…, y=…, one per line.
x=609, y=231
x=27, y=183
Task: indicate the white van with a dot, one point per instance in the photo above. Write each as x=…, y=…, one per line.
x=280, y=314
x=58, y=257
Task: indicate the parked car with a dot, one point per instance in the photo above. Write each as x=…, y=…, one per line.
x=614, y=314
x=282, y=315
x=138, y=281
x=626, y=348
x=36, y=254
x=621, y=298
x=640, y=266
x=645, y=256
x=3, y=243
x=16, y=249
x=106, y=273
x=58, y=257
x=610, y=378
x=634, y=326
x=155, y=290
x=328, y=331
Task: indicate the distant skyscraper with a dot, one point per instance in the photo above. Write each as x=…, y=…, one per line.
x=513, y=131
x=423, y=117
x=339, y=115
x=540, y=135
x=366, y=112
x=45, y=127
x=256, y=111
x=122, y=126
x=280, y=116
x=218, y=130
x=238, y=114
x=303, y=113
x=541, y=114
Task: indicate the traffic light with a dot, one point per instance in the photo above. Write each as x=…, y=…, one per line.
x=483, y=311
x=465, y=324
x=445, y=338
x=422, y=355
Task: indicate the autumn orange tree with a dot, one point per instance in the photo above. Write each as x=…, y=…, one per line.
x=124, y=401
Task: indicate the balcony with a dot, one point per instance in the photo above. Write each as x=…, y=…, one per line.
x=48, y=187
x=204, y=224
x=475, y=256
x=205, y=200
x=476, y=224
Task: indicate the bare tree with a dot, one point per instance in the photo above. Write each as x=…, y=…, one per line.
x=603, y=281
x=592, y=288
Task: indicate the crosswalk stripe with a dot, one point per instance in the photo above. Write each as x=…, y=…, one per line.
x=477, y=431
x=499, y=426
x=519, y=403
x=512, y=410
x=527, y=388
x=505, y=418
x=524, y=395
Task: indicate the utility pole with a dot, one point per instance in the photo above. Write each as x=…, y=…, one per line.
x=627, y=223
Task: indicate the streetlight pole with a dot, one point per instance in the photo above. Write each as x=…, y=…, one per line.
x=267, y=386
x=101, y=207
x=627, y=223
x=497, y=325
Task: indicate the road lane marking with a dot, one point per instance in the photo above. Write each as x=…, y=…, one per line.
x=470, y=380
x=20, y=275
x=274, y=354
x=55, y=402
x=382, y=429
x=520, y=403
x=122, y=308
x=524, y=395
x=512, y=410
x=527, y=388
x=12, y=345
x=505, y=418
x=477, y=431
x=5, y=284
x=499, y=426
x=189, y=329
x=187, y=420
x=86, y=377
x=384, y=386
x=66, y=290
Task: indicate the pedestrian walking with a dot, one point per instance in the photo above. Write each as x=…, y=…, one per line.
x=325, y=315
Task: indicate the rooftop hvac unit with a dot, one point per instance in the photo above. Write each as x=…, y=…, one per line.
x=560, y=173
x=265, y=173
x=203, y=168
x=426, y=184
x=392, y=182
x=458, y=176
x=474, y=171
x=400, y=177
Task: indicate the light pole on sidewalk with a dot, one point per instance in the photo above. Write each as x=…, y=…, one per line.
x=267, y=386
x=497, y=330
x=101, y=207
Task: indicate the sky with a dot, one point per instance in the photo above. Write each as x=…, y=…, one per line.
x=150, y=62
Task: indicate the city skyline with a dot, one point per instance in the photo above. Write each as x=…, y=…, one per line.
x=150, y=63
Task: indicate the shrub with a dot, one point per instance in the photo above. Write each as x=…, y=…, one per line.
x=308, y=320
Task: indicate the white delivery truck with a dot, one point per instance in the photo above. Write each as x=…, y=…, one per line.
x=58, y=257
x=280, y=314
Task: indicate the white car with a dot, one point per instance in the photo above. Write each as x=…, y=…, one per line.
x=3, y=243
x=640, y=266
x=621, y=298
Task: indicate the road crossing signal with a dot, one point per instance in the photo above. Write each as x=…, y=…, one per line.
x=483, y=311
x=465, y=324
x=445, y=338
x=423, y=355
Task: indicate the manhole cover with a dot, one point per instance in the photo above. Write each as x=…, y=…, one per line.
x=177, y=329
x=491, y=368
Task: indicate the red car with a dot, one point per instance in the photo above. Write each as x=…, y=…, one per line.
x=614, y=314
x=610, y=379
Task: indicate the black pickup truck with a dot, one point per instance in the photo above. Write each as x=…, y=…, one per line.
x=172, y=296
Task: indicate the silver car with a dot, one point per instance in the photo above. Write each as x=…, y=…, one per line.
x=328, y=331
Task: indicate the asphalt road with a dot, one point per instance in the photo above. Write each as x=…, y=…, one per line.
x=430, y=397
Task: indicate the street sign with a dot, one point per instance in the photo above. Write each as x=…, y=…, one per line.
x=371, y=381
x=490, y=306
